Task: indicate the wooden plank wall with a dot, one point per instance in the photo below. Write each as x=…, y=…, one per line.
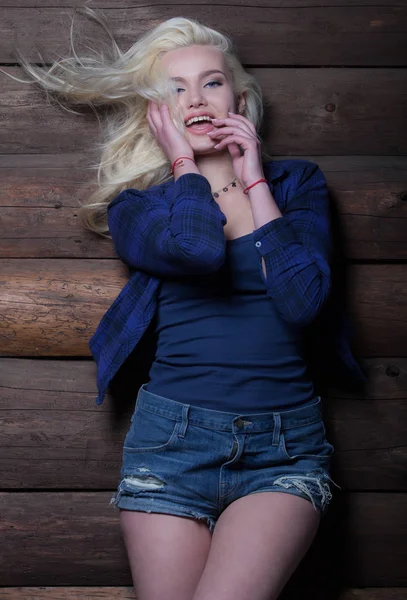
x=334, y=78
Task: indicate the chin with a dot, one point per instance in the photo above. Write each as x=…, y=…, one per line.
x=204, y=151
x=201, y=146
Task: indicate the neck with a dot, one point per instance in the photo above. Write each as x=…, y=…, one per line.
x=217, y=168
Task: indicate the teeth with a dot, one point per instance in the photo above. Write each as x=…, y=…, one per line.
x=197, y=119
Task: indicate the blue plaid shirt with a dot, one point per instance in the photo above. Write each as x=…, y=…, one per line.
x=176, y=229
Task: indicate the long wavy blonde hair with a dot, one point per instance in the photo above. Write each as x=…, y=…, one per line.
x=130, y=155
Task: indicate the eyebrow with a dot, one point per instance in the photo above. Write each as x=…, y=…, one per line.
x=203, y=74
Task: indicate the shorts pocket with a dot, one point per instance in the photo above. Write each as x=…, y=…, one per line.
x=306, y=440
x=151, y=432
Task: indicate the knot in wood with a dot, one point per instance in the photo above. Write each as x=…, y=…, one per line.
x=392, y=371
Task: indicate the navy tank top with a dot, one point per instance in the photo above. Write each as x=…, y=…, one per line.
x=221, y=343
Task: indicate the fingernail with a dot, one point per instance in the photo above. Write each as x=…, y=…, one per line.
x=231, y=113
x=216, y=145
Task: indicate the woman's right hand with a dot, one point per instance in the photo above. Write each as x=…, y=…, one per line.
x=173, y=143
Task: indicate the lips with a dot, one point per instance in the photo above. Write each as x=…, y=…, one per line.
x=200, y=128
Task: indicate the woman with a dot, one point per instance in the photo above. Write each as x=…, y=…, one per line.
x=226, y=465
x=215, y=437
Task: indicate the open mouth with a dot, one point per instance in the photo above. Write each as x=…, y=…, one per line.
x=200, y=128
x=200, y=125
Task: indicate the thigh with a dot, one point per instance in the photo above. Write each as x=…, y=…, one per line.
x=167, y=553
x=257, y=544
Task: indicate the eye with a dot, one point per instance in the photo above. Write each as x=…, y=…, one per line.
x=213, y=83
x=216, y=82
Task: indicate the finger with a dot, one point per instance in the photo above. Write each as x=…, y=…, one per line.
x=165, y=115
x=236, y=121
x=228, y=122
x=250, y=126
x=227, y=130
x=169, y=123
x=244, y=141
x=244, y=119
x=150, y=121
x=155, y=116
x=234, y=151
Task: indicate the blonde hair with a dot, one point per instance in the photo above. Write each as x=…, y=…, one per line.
x=130, y=155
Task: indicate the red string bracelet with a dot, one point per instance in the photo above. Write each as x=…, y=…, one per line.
x=177, y=159
x=253, y=184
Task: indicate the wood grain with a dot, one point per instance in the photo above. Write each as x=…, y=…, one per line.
x=56, y=304
x=73, y=538
x=71, y=383
x=307, y=111
x=53, y=435
x=52, y=307
x=334, y=33
x=41, y=194
x=60, y=453
x=117, y=4
x=127, y=593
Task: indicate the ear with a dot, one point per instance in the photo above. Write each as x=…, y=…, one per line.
x=241, y=103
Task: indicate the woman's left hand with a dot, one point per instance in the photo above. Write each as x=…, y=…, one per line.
x=239, y=131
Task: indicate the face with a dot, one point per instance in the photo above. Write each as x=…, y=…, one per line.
x=203, y=87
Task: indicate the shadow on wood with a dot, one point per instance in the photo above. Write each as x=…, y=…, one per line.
x=320, y=351
x=322, y=573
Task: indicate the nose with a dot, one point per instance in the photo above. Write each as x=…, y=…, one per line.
x=196, y=97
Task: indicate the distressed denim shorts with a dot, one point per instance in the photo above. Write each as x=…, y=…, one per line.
x=185, y=460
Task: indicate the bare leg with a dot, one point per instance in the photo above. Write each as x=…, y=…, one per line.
x=167, y=553
x=258, y=542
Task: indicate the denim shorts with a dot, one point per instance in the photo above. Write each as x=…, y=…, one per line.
x=184, y=460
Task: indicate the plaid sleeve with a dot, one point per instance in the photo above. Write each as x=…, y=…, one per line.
x=297, y=249
x=180, y=236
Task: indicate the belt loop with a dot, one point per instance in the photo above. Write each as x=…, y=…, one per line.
x=184, y=423
x=277, y=428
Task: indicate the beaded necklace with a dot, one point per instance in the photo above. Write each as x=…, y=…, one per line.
x=225, y=189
